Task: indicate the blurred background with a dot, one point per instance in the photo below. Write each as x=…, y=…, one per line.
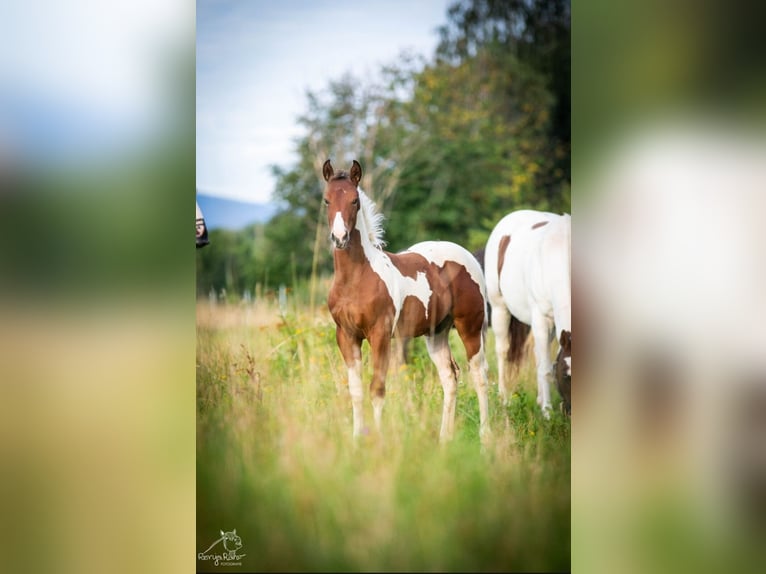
x=97, y=286
x=669, y=174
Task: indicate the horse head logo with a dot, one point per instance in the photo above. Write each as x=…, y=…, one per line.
x=231, y=542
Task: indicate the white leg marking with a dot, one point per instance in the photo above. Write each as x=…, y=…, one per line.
x=478, y=368
x=438, y=349
x=357, y=394
x=377, y=410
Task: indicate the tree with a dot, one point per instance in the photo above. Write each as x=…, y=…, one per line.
x=447, y=146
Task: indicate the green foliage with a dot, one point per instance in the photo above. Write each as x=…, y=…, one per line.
x=276, y=460
x=447, y=146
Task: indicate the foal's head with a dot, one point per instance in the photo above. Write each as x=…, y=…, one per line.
x=564, y=370
x=341, y=196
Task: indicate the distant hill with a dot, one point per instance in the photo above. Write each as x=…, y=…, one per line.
x=231, y=214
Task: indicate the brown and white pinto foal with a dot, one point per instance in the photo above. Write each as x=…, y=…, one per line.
x=423, y=291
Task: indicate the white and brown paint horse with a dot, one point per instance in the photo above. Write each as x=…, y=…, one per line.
x=528, y=271
x=423, y=291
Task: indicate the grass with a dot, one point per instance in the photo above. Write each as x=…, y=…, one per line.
x=276, y=460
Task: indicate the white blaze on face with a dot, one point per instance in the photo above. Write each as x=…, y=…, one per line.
x=338, y=226
x=568, y=362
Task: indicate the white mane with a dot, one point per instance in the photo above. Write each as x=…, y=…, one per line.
x=372, y=220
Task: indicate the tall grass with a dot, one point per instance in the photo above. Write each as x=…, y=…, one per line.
x=276, y=460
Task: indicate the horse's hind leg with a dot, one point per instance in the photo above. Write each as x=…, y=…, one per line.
x=501, y=319
x=439, y=351
x=477, y=365
x=473, y=341
x=541, y=331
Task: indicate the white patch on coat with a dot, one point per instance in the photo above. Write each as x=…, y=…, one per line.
x=399, y=286
x=338, y=226
x=439, y=252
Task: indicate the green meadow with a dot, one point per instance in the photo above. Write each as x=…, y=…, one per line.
x=276, y=460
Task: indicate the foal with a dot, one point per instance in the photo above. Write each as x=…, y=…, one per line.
x=423, y=291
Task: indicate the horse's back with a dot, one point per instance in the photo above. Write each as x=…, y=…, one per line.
x=439, y=252
x=527, y=261
x=509, y=240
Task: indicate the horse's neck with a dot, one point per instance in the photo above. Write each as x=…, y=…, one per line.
x=351, y=262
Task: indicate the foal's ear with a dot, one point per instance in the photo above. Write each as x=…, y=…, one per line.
x=327, y=170
x=356, y=173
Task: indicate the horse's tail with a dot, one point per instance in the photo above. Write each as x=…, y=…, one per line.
x=518, y=333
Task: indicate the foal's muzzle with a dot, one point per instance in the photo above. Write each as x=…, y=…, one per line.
x=341, y=243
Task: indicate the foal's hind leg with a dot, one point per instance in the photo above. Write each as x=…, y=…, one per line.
x=438, y=349
x=473, y=342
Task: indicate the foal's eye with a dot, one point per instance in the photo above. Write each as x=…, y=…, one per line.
x=326, y=201
x=355, y=202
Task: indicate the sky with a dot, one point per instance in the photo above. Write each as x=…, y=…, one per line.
x=79, y=77
x=256, y=60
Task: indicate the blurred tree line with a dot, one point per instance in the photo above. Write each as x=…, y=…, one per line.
x=447, y=145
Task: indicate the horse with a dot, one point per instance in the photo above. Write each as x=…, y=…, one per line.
x=378, y=296
x=528, y=274
x=201, y=229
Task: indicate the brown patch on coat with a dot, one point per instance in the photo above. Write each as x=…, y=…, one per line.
x=540, y=224
x=455, y=300
x=504, y=241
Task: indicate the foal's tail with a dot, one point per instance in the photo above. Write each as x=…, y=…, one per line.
x=518, y=333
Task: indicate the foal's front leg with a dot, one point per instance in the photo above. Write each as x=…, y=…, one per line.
x=380, y=346
x=351, y=349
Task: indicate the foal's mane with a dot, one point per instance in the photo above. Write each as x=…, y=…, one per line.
x=372, y=218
